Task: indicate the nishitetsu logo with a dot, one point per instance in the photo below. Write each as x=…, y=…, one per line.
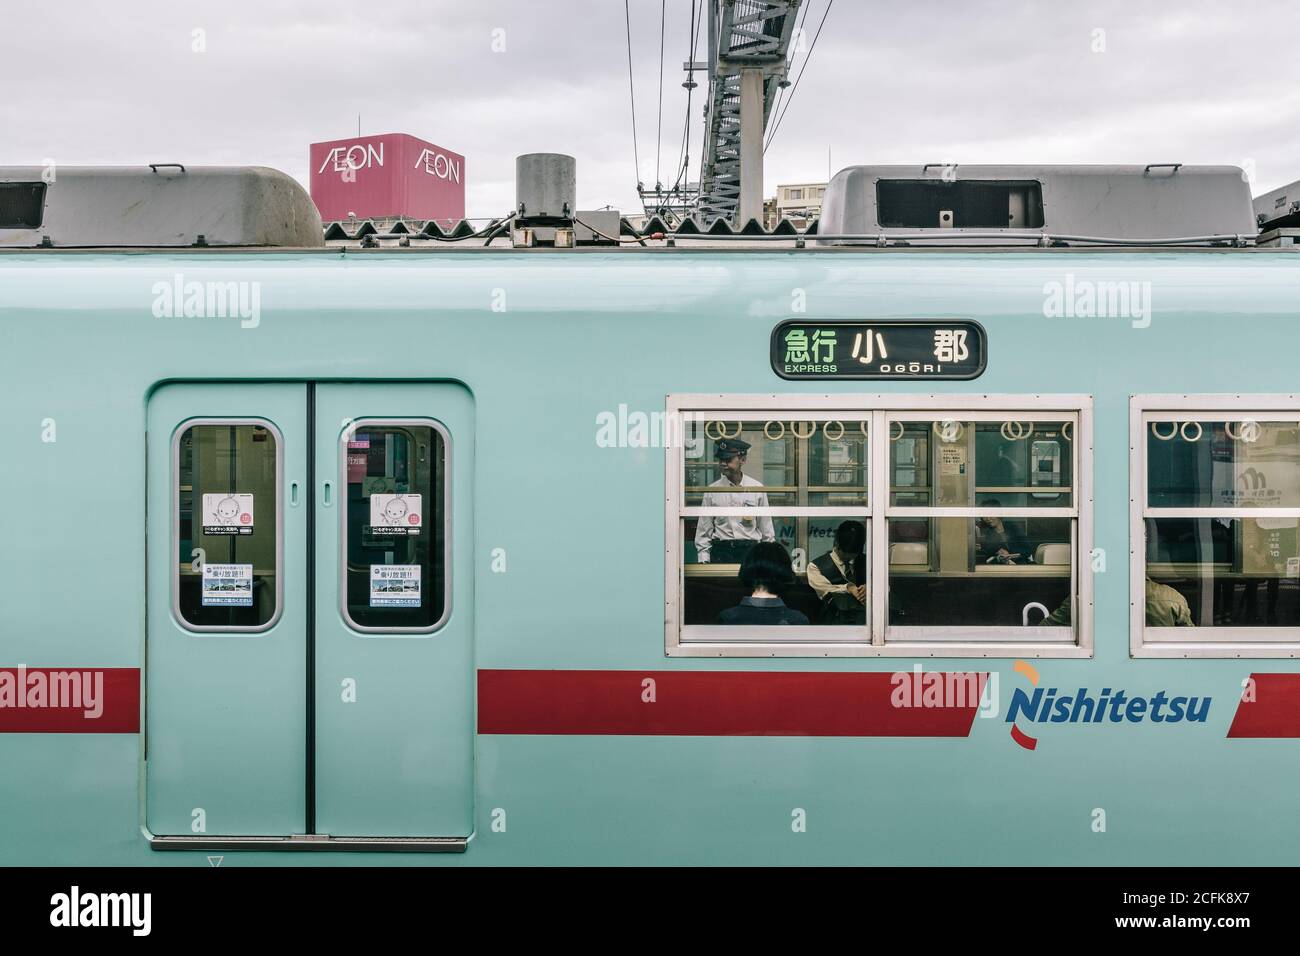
x=1050, y=705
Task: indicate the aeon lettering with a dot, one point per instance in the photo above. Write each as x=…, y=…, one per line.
x=356, y=156
x=436, y=164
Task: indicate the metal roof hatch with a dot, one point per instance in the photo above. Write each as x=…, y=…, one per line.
x=1160, y=202
x=161, y=205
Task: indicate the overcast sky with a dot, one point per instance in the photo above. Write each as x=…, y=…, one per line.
x=889, y=81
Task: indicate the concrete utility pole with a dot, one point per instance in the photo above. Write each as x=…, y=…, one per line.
x=746, y=66
x=752, y=126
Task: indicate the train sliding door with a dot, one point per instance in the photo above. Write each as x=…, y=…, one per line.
x=226, y=671
x=394, y=615
x=309, y=676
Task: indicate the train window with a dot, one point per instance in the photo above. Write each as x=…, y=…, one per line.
x=993, y=464
x=228, y=526
x=797, y=463
x=1216, y=564
x=774, y=527
x=811, y=571
x=969, y=577
x=982, y=529
x=394, y=533
x=1233, y=464
x=893, y=527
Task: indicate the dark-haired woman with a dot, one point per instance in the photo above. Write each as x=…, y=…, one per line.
x=765, y=572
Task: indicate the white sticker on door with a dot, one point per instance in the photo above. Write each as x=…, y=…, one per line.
x=396, y=514
x=227, y=585
x=227, y=513
x=394, y=585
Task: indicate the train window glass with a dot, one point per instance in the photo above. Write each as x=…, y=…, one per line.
x=1223, y=572
x=1216, y=567
x=993, y=464
x=972, y=526
x=228, y=526
x=742, y=569
x=1012, y=575
x=1231, y=464
x=801, y=463
x=394, y=534
x=982, y=530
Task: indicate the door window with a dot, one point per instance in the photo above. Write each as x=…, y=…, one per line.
x=228, y=553
x=394, y=526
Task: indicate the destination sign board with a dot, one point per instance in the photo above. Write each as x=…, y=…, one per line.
x=879, y=350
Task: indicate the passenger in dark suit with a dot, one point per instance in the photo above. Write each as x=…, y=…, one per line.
x=839, y=577
x=765, y=572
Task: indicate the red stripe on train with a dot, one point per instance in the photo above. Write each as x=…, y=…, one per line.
x=709, y=703
x=1274, y=711
x=69, y=700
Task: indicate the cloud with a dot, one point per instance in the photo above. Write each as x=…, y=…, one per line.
x=888, y=82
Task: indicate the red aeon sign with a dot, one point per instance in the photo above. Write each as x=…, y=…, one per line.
x=390, y=175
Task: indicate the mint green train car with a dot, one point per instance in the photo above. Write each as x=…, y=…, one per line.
x=345, y=554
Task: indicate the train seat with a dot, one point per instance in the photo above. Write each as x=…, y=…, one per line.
x=1052, y=553
x=909, y=552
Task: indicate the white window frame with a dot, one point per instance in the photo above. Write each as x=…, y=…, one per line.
x=1202, y=642
x=951, y=642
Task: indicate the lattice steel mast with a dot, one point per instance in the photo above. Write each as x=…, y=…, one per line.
x=748, y=44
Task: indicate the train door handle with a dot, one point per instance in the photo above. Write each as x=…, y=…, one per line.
x=293, y=494
x=1024, y=614
x=327, y=494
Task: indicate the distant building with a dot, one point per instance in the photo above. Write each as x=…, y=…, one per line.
x=801, y=203
x=387, y=177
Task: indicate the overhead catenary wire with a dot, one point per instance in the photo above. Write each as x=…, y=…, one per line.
x=794, y=89
x=802, y=67
x=780, y=93
x=659, y=131
x=664, y=198
x=777, y=112
x=631, y=92
x=704, y=133
x=684, y=155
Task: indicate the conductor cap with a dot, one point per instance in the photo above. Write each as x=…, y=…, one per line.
x=727, y=447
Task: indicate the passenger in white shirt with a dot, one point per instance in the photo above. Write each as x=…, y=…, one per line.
x=726, y=539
